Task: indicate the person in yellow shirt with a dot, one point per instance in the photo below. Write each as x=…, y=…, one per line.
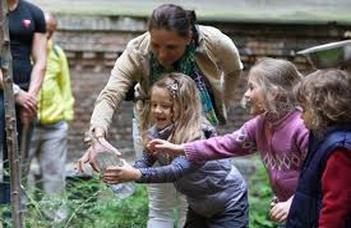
x=55, y=111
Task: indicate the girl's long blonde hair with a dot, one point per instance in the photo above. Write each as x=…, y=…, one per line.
x=326, y=95
x=277, y=78
x=187, y=109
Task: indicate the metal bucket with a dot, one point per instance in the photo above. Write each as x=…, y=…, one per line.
x=330, y=55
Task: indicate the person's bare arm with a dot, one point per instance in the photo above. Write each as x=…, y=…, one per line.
x=39, y=56
x=22, y=98
x=28, y=99
x=1, y=80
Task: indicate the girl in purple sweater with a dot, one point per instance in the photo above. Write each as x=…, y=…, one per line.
x=276, y=131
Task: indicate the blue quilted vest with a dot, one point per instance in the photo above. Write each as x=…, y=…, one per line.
x=307, y=203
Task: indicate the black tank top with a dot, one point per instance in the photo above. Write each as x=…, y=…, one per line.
x=24, y=21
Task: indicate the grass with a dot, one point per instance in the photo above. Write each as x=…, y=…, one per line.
x=91, y=203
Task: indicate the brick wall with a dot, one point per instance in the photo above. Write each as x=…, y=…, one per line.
x=92, y=43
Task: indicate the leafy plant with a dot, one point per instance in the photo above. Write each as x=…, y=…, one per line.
x=260, y=196
x=90, y=203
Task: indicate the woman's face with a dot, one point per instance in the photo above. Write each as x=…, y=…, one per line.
x=254, y=98
x=161, y=107
x=168, y=46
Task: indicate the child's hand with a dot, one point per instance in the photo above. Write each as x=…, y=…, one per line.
x=158, y=145
x=279, y=211
x=120, y=174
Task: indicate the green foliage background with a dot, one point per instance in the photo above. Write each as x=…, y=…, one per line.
x=91, y=203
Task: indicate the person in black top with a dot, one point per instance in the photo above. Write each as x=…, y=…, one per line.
x=28, y=45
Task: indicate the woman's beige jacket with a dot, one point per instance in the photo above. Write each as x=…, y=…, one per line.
x=217, y=57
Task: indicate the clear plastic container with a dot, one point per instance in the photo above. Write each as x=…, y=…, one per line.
x=122, y=191
x=106, y=159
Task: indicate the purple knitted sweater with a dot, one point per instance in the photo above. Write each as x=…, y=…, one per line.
x=281, y=143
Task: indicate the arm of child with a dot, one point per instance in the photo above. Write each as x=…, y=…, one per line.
x=120, y=174
x=238, y=143
x=147, y=160
x=179, y=167
x=279, y=211
x=127, y=173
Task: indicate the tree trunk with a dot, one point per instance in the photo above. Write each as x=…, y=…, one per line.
x=10, y=118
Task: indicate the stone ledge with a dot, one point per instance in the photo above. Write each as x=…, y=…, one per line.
x=101, y=23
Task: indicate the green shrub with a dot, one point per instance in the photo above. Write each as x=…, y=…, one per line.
x=91, y=203
x=260, y=196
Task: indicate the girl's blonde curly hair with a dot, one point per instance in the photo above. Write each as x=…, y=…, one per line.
x=326, y=95
x=187, y=108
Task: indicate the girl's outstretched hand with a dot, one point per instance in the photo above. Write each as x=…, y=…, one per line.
x=279, y=211
x=120, y=174
x=159, y=145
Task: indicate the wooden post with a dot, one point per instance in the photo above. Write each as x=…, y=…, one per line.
x=10, y=118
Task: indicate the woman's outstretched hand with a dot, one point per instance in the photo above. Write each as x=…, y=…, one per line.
x=120, y=174
x=98, y=144
x=159, y=145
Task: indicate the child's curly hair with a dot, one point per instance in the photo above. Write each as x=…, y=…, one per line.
x=187, y=108
x=326, y=95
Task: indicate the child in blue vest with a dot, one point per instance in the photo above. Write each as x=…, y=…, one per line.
x=323, y=195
